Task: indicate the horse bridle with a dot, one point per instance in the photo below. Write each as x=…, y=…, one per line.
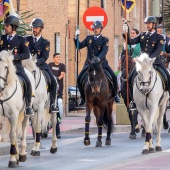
x=5, y=78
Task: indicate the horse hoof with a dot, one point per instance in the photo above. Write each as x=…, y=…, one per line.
x=13, y=164
x=44, y=135
x=169, y=130
x=35, y=153
x=166, y=125
x=151, y=150
x=98, y=144
x=53, y=150
x=145, y=151
x=132, y=136
x=87, y=142
x=22, y=158
x=143, y=135
x=108, y=142
x=158, y=148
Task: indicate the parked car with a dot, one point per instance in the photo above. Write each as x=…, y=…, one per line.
x=72, y=98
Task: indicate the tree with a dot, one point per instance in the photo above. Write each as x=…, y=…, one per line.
x=166, y=7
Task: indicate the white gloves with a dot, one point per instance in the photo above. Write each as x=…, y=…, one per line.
x=77, y=32
x=125, y=27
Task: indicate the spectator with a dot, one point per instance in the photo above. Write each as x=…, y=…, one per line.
x=58, y=69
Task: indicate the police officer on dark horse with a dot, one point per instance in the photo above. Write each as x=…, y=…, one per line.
x=97, y=45
x=151, y=43
x=12, y=41
x=41, y=47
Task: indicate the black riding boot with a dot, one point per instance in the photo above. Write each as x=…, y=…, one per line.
x=53, y=106
x=132, y=105
x=28, y=110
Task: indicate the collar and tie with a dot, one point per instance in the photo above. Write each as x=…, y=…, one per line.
x=95, y=38
x=9, y=38
x=35, y=40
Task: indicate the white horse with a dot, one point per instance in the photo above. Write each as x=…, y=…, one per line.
x=12, y=106
x=150, y=99
x=41, y=107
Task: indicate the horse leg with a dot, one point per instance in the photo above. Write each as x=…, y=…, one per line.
x=54, y=138
x=22, y=154
x=87, y=124
x=13, y=163
x=36, y=149
x=132, y=134
x=100, y=126
x=165, y=123
x=108, y=112
x=159, y=124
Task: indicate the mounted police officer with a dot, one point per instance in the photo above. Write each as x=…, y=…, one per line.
x=41, y=47
x=12, y=41
x=151, y=43
x=97, y=45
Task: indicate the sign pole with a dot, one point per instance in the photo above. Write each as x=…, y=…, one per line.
x=77, y=49
x=127, y=70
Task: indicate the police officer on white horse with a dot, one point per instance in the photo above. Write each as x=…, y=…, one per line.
x=41, y=47
x=97, y=45
x=151, y=43
x=12, y=41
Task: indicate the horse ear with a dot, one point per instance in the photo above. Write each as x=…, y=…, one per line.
x=137, y=60
x=34, y=57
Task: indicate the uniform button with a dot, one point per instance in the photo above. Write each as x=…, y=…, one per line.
x=146, y=44
x=147, y=40
x=145, y=48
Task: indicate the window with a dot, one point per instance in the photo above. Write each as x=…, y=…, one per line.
x=57, y=42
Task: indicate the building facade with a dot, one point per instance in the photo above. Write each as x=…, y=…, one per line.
x=60, y=18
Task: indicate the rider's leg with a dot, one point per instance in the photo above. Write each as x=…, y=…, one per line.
x=115, y=88
x=133, y=74
x=28, y=93
x=53, y=108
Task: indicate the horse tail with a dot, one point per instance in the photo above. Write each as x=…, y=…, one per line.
x=107, y=120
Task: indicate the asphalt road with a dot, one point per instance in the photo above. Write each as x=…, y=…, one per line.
x=73, y=155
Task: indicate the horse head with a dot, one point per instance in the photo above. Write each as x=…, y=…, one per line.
x=7, y=69
x=95, y=75
x=144, y=67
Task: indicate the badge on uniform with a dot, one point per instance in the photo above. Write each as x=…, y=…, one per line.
x=38, y=52
x=90, y=41
x=153, y=45
x=27, y=43
x=47, y=48
x=142, y=37
x=162, y=41
x=15, y=50
x=1, y=42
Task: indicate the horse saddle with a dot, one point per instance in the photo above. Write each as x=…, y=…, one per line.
x=47, y=79
x=84, y=78
x=163, y=77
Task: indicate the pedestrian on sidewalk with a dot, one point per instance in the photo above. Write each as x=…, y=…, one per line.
x=59, y=70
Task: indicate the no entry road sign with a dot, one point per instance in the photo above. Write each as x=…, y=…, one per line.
x=93, y=14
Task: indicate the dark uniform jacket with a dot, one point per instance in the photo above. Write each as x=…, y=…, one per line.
x=20, y=50
x=150, y=44
x=97, y=48
x=41, y=48
x=167, y=46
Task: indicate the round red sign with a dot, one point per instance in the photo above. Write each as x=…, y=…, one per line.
x=93, y=14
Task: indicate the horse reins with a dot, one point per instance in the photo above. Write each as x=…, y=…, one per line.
x=2, y=101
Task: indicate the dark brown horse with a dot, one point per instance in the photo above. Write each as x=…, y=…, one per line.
x=99, y=99
x=132, y=116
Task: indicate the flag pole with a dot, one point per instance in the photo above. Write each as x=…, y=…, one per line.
x=127, y=71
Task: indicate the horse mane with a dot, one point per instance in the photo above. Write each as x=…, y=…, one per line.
x=95, y=64
x=7, y=57
x=29, y=64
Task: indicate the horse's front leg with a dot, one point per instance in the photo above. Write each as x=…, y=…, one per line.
x=110, y=122
x=99, y=115
x=54, y=138
x=23, y=153
x=87, y=124
x=13, y=163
